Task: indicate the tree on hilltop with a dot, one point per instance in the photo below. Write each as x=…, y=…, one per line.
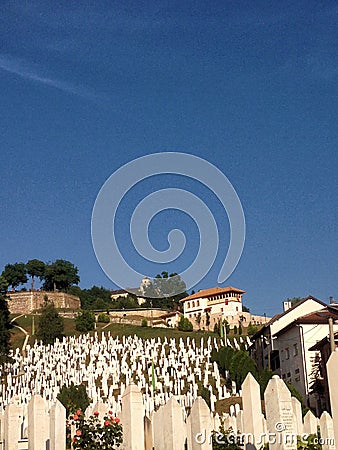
x=165, y=291
x=15, y=274
x=60, y=275
x=35, y=268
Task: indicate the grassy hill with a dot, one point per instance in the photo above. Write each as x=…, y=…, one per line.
x=116, y=329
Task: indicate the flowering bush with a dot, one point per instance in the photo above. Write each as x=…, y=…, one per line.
x=90, y=434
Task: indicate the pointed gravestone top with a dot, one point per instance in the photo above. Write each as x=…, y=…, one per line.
x=310, y=423
x=279, y=415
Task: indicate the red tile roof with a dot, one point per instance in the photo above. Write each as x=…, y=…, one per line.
x=212, y=291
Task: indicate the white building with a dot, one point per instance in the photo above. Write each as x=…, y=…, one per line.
x=283, y=343
x=137, y=293
x=294, y=343
x=219, y=303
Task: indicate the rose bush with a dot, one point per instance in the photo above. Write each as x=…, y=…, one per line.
x=92, y=434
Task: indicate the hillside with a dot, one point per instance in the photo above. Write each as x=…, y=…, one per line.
x=26, y=322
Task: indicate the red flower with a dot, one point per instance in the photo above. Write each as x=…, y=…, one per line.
x=74, y=440
x=79, y=412
x=116, y=420
x=78, y=432
x=75, y=417
x=96, y=413
x=106, y=423
x=110, y=412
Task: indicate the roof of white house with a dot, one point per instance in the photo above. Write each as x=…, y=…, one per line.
x=289, y=312
x=205, y=293
x=320, y=317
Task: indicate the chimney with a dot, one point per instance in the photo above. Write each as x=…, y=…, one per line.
x=332, y=300
x=286, y=305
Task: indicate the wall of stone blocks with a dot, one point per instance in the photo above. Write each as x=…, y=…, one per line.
x=27, y=301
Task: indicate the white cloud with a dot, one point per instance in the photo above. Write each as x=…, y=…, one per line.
x=27, y=71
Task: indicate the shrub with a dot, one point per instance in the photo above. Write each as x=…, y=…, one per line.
x=103, y=318
x=252, y=329
x=92, y=434
x=184, y=324
x=85, y=321
x=144, y=322
x=50, y=324
x=74, y=397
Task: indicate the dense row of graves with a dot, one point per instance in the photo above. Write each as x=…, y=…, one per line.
x=153, y=386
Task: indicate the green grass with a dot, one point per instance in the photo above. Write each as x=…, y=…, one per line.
x=149, y=332
x=116, y=329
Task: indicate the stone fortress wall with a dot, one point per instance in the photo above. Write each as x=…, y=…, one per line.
x=27, y=301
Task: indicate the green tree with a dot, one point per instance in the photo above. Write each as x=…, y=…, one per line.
x=227, y=326
x=103, y=318
x=129, y=302
x=50, y=324
x=93, y=298
x=198, y=320
x=85, y=321
x=295, y=300
x=237, y=362
x=252, y=329
x=207, y=319
x=60, y=275
x=263, y=379
x=5, y=325
x=35, y=268
x=74, y=397
x=165, y=291
x=15, y=274
x=184, y=324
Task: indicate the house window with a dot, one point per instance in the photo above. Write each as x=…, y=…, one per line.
x=287, y=353
x=297, y=371
x=193, y=304
x=295, y=349
x=198, y=303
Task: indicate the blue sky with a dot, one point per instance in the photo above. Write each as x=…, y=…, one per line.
x=250, y=86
